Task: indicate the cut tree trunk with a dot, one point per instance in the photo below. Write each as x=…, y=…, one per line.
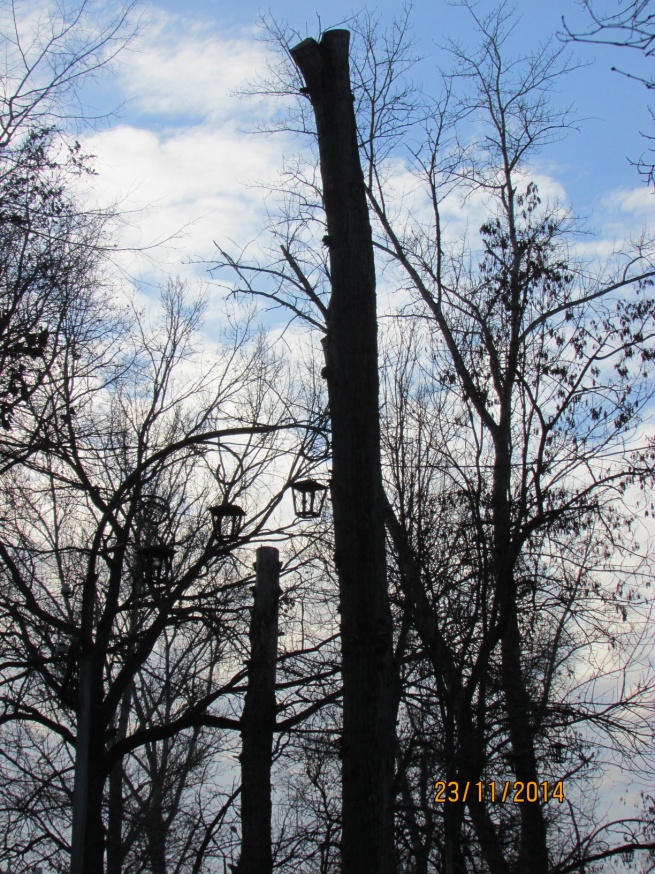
x=353, y=386
x=258, y=719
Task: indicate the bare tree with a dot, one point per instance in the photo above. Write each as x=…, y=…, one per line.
x=50, y=56
x=119, y=449
x=453, y=721
x=524, y=337
x=49, y=246
x=50, y=258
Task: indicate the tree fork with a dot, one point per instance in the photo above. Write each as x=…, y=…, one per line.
x=357, y=496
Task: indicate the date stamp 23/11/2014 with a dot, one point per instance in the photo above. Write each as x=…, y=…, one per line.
x=505, y=793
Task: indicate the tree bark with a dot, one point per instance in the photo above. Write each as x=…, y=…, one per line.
x=533, y=848
x=115, y=811
x=88, y=838
x=357, y=497
x=94, y=835
x=258, y=720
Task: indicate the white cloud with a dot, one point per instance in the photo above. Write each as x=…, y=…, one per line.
x=623, y=214
x=181, y=68
x=637, y=202
x=182, y=165
x=190, y=172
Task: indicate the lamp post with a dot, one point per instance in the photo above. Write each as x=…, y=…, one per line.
x=155, y=558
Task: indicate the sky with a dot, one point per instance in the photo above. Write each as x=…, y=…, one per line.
x=181, y=158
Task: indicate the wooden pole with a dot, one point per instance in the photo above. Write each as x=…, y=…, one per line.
x=258, y=719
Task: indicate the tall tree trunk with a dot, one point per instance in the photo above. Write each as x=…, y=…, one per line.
x=533, y=850
x=81, y=788
x=352, y=381
x=258, y=720
x=115, y=810
x=88, y=838
x=94, y=835
x=155, y=828
x=116, y=807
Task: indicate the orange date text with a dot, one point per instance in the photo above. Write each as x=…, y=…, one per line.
x=514, y=792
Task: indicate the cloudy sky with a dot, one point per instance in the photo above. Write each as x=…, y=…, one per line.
x=181, y=160
x=181, y=157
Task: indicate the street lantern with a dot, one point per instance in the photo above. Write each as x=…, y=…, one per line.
x=66, y=590
x=156, y=562
x=626, y=855
x=308, y=498
x=227, y=521
x=558, y=752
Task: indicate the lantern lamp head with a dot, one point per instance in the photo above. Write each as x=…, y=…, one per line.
x=157, y=561
x=558, y=752
x=626, y=855
x=227, y=520
x=308, y=498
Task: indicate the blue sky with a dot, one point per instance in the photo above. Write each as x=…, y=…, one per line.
x=614, y=108
x=181, y=159
x=182, y=150
x=181, y=155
